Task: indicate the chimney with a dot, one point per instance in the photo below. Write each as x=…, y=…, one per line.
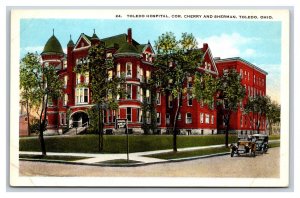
x=205, y=46
x=129, y=36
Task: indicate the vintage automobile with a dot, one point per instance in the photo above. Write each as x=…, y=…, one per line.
x=243, y=146
x=261, y=141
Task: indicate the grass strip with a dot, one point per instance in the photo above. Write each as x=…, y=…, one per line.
x=117, y=143
x=119, y=161
x=274, y=144
x=193, y=153
x=52, y=157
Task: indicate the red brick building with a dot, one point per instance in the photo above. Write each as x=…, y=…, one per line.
x=254, y=80
x=135, y=61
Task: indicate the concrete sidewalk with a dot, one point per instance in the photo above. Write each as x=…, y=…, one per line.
x=94, y=158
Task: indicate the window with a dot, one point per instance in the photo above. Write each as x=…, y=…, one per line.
x=139, y=115
x=167, y=118
x=148, y=57
x=148, y=117
x=65, y=81
x=212, y=119
x=190, y=82
x=65, y=102
x=63, y=120
x=254, y=79
x=206, y=118
x=128, y=69
x=170, y=101
x=148, y=96
x=138, y=72
x=141, y=94
x=158, y=98
x=190, y=100
x=241, y=73
x=50, y=102
x=225, y=71
x=138, y=93
x=188, y=119
x=78, y=79
x=81, y=95
x=129, y=91
x=241, y=121
x=85, y=96
x=201, y=117
x=46, y=64
x=86, y=78
x=141, y=75
x=118, y=70
x=65, y=65
x=158, y=118
x=110, y=115
x=109, y=55
x=128, y=114
x=179, y=116
x=105, y=116
x=148, y=76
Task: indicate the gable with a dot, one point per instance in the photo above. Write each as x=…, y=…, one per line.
x=209, y=64
x=82, y=43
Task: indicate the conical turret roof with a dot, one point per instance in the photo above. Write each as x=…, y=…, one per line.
x=53, y=46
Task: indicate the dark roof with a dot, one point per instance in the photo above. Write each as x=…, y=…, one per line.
x=127, y=48
x=141, y=47
x=53, y=46
x=70, y=43
x=120, y=42
x=242, y=60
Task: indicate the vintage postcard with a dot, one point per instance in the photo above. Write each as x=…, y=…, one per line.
x=149, y=98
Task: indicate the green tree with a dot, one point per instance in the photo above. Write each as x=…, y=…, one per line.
x=205, y=88
x=103, y=84
x=231, y=93
x=256, y=109
x=175, y=61
x=43, y=84
x=28, y=84
x=273, y=115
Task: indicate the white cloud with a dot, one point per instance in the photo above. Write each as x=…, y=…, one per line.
x=229, y=45
x=33, y=49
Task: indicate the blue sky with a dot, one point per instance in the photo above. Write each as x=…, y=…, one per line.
x=258, y=42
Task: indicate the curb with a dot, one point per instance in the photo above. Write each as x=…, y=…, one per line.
x=125, y=165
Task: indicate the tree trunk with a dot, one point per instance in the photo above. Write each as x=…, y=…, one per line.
x=28, y=119
x=227, y=130
x=101, y=131
x=43, y=126
x=175, y=123
x=99, y=128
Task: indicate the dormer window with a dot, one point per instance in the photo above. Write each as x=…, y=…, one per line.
x=109, y=55
x=148, y=57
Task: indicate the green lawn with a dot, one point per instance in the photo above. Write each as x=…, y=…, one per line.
x=51, y=157
x=119, y=161
x=184, y=154
x=117, y=144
